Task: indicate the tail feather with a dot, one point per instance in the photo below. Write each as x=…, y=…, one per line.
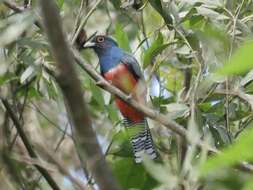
x=149, y=146
x=141, y=139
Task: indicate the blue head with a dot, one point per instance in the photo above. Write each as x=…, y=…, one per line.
x=107, y=50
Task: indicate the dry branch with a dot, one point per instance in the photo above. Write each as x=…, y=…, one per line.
x=71, y=89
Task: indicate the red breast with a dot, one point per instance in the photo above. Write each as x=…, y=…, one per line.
x=121, y=77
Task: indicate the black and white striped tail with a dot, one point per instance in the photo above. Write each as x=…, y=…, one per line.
x=141, y=139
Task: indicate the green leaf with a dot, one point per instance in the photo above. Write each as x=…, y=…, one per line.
x=60, y=3
x=97, y=95
x=112, y=112
x=121, y=37
x=51, y=89
x=18, y=24
x=240, y=151
x=121, y=145
x=204, y=11
x=156, y=48
x=157, y=5
x=158, y=171
x=132, y=176
x=116, y=3
x=32, y=43
x=33, y=93
x=220, y=135
x=7, y=78
x=177, y=110
x=249, y=186
x=248, y=78
x=29, y=72
x=241, y=61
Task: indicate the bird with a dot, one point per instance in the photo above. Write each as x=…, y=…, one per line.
x=122, y=70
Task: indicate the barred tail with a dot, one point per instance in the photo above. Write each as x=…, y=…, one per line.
x=141, y=139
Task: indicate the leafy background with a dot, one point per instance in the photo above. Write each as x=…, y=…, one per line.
x=197, y=58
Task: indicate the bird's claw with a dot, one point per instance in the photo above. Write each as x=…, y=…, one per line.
x=129, y=97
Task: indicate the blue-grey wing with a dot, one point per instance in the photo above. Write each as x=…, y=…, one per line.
x=133, y=65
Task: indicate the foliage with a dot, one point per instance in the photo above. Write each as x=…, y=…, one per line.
x=199, y=50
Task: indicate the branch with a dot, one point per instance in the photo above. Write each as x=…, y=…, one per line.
x=246, y=97
x=28, y=146
x=163, y=119
x=84, y=21
x=170, y=124
x=71, y=89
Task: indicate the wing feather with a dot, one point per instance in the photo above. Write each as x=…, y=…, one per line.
x=132, y=65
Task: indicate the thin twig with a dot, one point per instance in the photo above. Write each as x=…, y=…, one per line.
x=245, y=125
x=246, y=97
x=62, y=138
x=28, y=146
x=52, y=158
x=84, y=21
x=227, y=122
x=109, y=17
x=78, y=17
x=35, y=108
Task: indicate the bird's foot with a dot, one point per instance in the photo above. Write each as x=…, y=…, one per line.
x=129, y=97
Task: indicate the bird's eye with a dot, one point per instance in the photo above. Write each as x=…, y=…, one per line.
x=100, y=39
